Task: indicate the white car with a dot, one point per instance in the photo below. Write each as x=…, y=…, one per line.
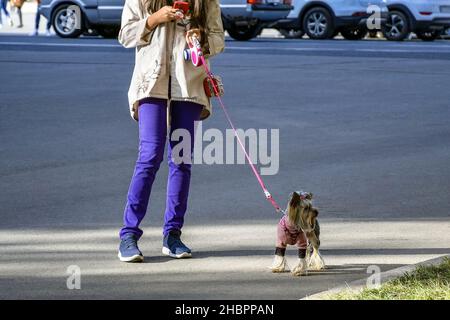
x=323, y=19
x=426, y=18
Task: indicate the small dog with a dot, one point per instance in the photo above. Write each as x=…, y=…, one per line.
x=299, y=226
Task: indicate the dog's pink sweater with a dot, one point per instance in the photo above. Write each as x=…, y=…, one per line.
x=290, y=234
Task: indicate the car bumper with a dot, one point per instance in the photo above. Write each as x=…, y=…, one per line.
x=288, y=23
x=435, y=24
x=268, y=12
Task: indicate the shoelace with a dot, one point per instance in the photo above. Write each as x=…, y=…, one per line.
x=178, y=243
x=129, y=242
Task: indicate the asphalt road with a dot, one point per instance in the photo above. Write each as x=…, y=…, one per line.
x=363, y=125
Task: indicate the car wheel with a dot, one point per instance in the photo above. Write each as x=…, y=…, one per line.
x=318, y=23
x=357, y=33
x=244, y=33
x=67, y=21
x=396, y=27
x=292, y=33
x=429, y=35
x=108, y=32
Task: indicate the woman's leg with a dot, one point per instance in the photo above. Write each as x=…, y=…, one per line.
x=19, y=13
x=183, y=116
x=48, y=25
x=3, y=7
x=37, y=19
x=152, y=138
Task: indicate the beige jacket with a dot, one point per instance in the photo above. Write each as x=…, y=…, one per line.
x=159, y=54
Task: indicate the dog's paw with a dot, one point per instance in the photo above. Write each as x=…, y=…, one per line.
x=315, y=261
x=279, y=264
x=301, y=268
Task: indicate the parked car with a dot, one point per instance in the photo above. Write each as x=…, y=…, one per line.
x=426, y=18
x=245, y=19
x=71, y=18
x=324, y=19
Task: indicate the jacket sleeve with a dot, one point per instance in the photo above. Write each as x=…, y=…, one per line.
x=215, y=33
x=133, y=30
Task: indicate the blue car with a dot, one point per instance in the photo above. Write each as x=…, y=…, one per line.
x=71, y=18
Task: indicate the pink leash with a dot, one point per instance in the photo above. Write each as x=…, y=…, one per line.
x=258, y=176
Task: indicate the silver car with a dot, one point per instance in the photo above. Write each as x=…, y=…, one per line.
x=324, y=19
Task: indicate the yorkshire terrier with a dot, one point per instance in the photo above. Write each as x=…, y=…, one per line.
x=299, y=226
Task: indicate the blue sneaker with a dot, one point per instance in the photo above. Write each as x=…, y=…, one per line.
x=174, y=247
x=128, y=249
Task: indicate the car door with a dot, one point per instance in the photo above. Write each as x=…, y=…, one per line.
x=110, y=11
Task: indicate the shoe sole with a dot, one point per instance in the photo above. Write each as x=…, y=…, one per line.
x=135, y=258
x=184, y=255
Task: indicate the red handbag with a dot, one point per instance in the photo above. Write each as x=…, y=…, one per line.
x=210, y=82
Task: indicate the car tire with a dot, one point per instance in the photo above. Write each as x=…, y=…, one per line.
x=318, y=23
x=292, y=33
x=66, y=22
x=244, y=33
x=397, y=26
x=108, y=32
x=357, y=33
x=429, y=35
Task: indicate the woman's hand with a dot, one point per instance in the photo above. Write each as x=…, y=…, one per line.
x=190, y=33
x=163, y=15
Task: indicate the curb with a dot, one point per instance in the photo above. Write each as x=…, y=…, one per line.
x=386, y=276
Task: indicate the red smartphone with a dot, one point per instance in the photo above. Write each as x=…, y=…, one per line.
x=181, y=5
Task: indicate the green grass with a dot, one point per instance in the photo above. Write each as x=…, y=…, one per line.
x=424, y=283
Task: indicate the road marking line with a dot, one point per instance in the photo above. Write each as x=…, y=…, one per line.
x=105, y=45
x=398, y=50
x=93, y=45
x=337, y=49
x=285, y=49
x=50, y=44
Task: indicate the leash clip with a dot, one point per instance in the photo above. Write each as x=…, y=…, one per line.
x=267, y=194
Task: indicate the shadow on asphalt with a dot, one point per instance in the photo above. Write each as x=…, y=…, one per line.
x=329, y=252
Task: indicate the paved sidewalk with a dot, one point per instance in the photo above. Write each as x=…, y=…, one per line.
x=230, y=260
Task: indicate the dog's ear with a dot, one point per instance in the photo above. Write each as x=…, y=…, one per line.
x=315, y=212
x=295, y=199
x=309, y=196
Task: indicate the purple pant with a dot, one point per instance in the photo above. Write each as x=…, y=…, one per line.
x=152, y=114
